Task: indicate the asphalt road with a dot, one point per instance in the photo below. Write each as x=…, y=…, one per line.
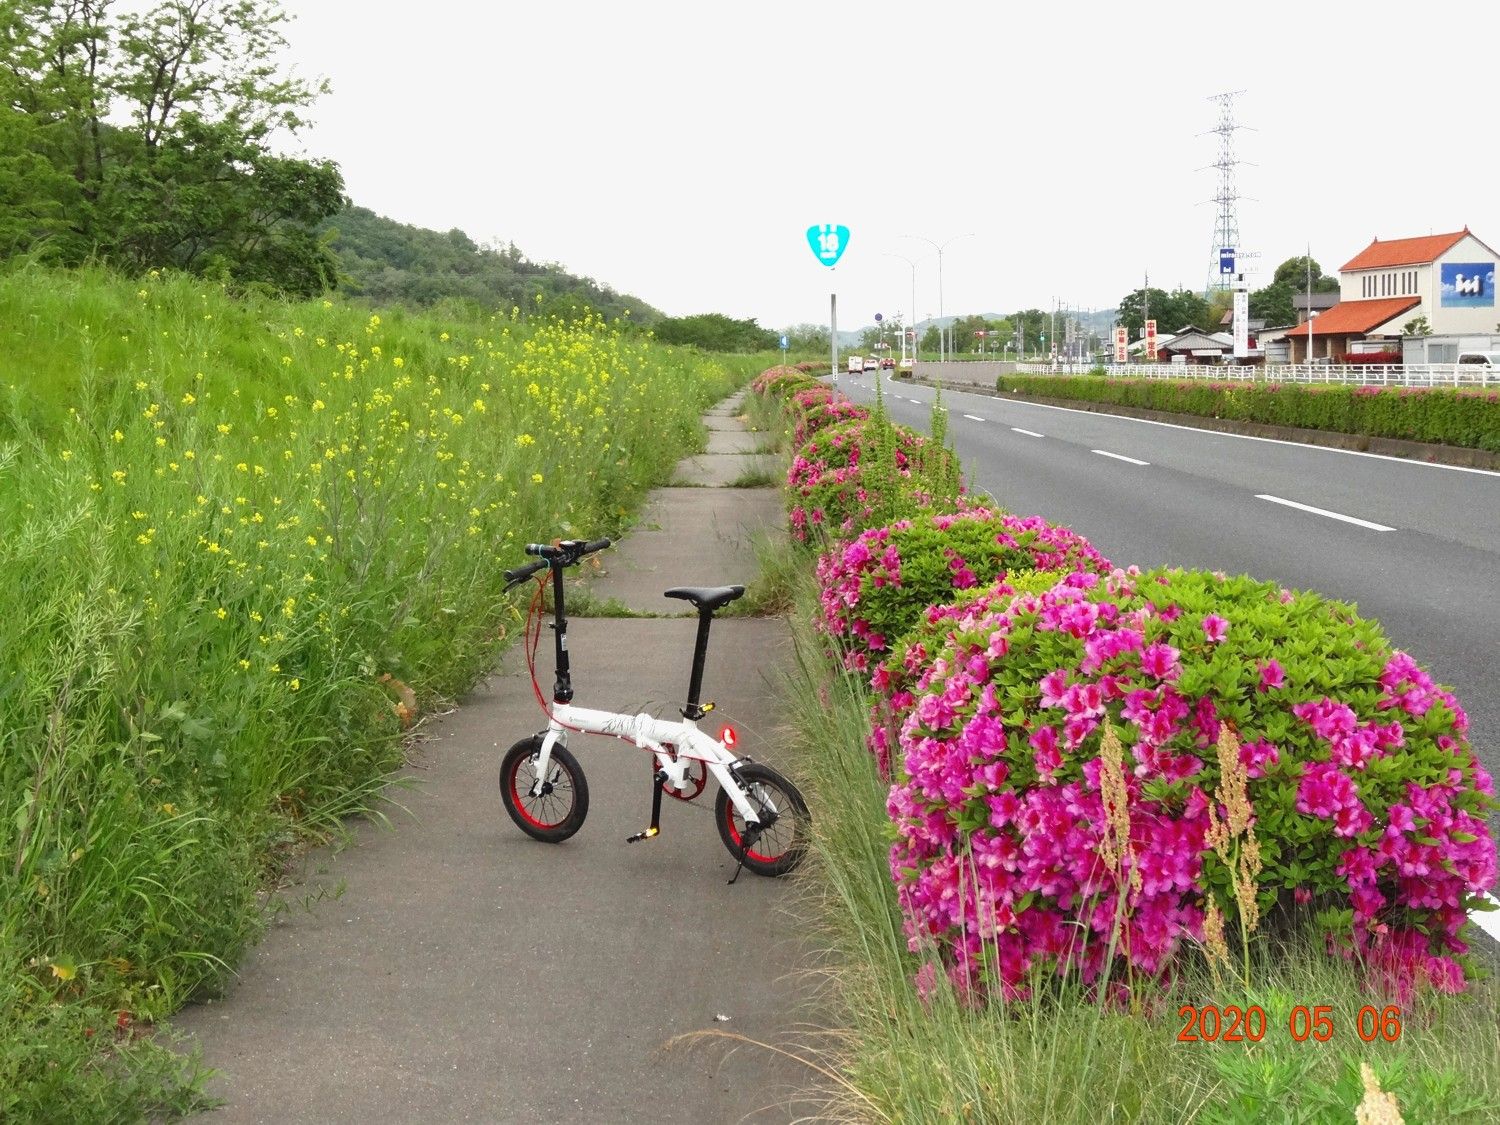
x=1153, y=494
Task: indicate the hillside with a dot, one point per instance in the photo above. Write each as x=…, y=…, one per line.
x=386, y=262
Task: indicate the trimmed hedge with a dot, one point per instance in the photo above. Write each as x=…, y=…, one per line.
x=1466, y=418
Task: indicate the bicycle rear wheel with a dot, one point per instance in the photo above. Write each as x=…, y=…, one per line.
x=557, y=811
x=786, y=824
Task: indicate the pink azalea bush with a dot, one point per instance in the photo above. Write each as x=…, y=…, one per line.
x=780, y=382
x=894, y=680
x=1367, y=799
x=827, y=483
x=819, y=415
x=876, y=587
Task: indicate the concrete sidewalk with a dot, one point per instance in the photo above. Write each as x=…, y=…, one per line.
x=455, y=970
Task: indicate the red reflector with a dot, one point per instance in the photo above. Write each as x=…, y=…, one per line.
x=728, y=737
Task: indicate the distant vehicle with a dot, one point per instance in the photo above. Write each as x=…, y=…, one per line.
x=1480, y=359
x=905, y=366
x=856, y=365
x=887, y=362
x=871, y=363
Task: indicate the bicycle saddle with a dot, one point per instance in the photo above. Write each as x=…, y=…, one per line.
x=706, y=597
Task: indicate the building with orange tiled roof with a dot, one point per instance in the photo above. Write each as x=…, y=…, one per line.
x=1447, y=278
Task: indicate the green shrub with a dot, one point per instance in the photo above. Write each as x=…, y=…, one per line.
x=1467, y=418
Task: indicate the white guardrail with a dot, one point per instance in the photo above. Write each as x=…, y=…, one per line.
x=1372, y=374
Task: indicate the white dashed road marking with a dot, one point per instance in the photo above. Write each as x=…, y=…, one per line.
x=1028, y=433
x=1119, y=457
x=1324, y=512
x=974, y=417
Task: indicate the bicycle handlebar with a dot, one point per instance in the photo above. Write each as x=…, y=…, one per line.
x=566, y=553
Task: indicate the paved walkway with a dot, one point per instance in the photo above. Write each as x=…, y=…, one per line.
x=455, y=970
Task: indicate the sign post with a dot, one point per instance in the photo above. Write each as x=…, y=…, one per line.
x=1122, y=344
x=828, y=241
x=783, y=349
x=1241, y=318
x=1150, y=338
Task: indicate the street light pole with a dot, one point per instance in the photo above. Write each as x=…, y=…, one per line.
x=942, y=330
x=913, y=266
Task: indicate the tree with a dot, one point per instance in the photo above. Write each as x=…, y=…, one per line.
x=162, y=121
x=1294, y=272
x=715, y=332
x=1273, y=304
x=1416, y=326
x=1172, y=311
x=809, y=338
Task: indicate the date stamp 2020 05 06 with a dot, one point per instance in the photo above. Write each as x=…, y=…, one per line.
x=1232, y=1024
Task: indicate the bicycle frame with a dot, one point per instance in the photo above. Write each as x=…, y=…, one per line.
x=655, y=735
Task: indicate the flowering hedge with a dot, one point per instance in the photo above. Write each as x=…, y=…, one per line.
x=829, y=481
x=877, y=587
x=1030, y=839
x=819, y=415
x=894, y=679
x=781, y=381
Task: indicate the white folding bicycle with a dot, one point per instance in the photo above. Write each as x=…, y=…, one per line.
x=761, y=816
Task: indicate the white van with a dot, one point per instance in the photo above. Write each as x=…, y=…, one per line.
x=856, y=365
x=1480, y=359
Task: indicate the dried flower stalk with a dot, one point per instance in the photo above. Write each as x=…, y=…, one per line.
x=1377, y=1107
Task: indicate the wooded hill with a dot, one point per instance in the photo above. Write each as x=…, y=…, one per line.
x=386, y=262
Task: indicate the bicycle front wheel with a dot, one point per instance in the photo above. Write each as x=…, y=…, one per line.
x=785, y=823
x=557, y=807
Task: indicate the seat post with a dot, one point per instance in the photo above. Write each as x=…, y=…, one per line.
x=694, y=710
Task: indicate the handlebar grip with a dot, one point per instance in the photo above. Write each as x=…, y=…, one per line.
x=521, y=573
x=596, y=545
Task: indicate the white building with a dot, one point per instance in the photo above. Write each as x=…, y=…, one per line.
x=1447, y=278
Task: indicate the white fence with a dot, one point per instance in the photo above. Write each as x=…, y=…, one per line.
x=1376, y=375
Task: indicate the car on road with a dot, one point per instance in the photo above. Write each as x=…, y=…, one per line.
x=886, y=362
x=871, y=363
x=1480, y=359
x=906, y=366
x=856, y=365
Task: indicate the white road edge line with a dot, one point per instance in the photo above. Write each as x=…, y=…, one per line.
x=974, y=417
x=1488, y=922
x=1324, y=512
x=1118, y=456
x=1028, y=433
x=1252, y=437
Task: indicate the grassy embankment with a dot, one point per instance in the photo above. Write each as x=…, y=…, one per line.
x=234, y=534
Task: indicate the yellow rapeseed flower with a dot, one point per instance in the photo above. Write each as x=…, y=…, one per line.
x=536, y=478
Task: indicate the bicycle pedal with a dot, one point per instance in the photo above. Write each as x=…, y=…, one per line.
x=649, y=834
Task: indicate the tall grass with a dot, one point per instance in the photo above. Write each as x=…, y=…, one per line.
x=228, y=527
x=1064, y=1055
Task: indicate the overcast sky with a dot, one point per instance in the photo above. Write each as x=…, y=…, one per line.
x=679, y=151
